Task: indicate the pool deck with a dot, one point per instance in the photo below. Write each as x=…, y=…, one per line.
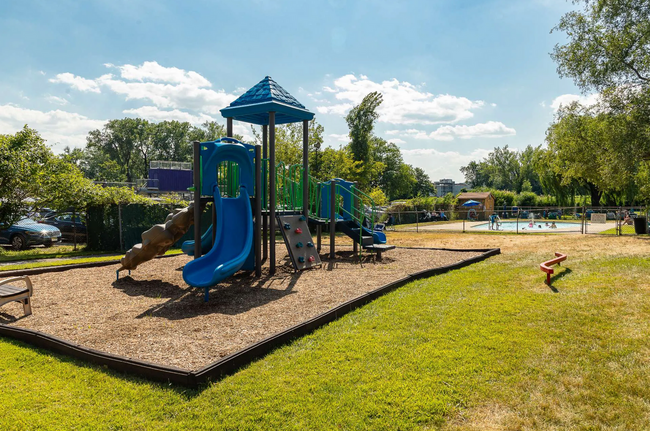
x=591, y=227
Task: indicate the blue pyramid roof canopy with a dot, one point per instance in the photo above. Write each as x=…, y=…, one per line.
x=267, y=96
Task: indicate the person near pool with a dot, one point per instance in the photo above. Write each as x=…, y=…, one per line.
x=494, y=223
x=553, y=226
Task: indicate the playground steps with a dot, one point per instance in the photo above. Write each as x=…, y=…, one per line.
x=352, y=230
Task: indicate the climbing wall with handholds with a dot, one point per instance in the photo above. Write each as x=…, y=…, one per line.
x=299, y=242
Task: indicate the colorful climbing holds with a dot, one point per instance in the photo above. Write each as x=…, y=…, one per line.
x=301, y=259
x=311, y=259
x=287, y=226
x=298, y=230
x=310, y=244
x=303, y=218
x=299, y=245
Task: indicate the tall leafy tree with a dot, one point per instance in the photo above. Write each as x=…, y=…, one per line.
x=361, y=122
x=423, y=185
x=608, y=44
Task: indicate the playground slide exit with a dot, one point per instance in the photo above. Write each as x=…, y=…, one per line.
x=234, y=239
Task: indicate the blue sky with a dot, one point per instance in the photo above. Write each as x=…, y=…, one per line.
x=459, y=77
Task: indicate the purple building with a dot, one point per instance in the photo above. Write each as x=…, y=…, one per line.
x=170, y=176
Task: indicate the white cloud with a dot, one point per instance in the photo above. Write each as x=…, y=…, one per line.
x=442, y=164
x=76, y=82
x=403, y=103
x=397, y=141
x=154, y=114
x=243, y=130
x=55, y=100
x=491, y=129
x=567, y=99
x=340, y=109
x=165, y=87
x=41, y=72
x=59, y=128
x=152, y=71
x=340, y=137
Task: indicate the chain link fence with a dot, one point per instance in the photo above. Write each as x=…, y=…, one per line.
x=120, y=227
x=522, y=220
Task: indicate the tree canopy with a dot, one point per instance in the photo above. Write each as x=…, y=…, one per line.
x=609, y=44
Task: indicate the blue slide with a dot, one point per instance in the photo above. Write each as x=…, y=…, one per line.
x=233, y=243
x=234, y=228
x=206, y=243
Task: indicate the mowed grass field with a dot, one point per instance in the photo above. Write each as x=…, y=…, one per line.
x=483, y=348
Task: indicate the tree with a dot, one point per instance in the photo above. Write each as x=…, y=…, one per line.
x=118, y=142
x=31, y=177
x=361, y=122
x=172, y=140
x=475, y=175
x=22, y=158
x=423, y=185
x=609, y=44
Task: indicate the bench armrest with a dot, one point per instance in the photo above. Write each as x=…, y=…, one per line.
x=24, y=278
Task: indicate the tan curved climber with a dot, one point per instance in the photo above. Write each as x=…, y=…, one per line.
x=157, y=240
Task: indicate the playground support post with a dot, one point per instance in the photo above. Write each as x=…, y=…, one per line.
x=197, y=199
x=258, y=212
x=272, y=191
x=355, y=214
x=332, y=219
x=318, y=237
x=265, y=182
x=305, y=168
x=229, y=132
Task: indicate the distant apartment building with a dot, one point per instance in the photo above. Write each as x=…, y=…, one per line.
x=446, y=185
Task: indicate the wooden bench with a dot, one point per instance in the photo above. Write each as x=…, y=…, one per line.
x=10, y=293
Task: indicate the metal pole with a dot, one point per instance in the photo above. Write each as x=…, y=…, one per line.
x=319, y=229
x=272, y=191
x=119, y=219
x=74, y=227
x=229, y=127
x=197, y=199
x=332, y=219
x=258, y=211
x=265, y=181
x=417, y=221
x=305, y=168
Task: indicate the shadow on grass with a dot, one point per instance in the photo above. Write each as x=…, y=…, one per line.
x=558, y=276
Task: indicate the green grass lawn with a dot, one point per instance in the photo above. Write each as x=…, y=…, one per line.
x=61, y=262
x=486, y=347
x=8, y=255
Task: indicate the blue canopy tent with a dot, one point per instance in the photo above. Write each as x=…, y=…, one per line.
x=471, y=203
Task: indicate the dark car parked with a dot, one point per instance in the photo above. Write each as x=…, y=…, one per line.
x=66, y=224
x=27, y=232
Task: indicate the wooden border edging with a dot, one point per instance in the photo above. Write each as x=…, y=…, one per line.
x=231, y=363
x=61, y=268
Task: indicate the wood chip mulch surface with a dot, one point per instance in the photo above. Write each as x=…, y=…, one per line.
x=154, y=316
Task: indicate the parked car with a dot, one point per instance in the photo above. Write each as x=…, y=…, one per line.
x=27, y=233
x=66, y=225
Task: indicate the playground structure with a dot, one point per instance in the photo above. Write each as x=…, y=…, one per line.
x=546, y=266
x=250, y=193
